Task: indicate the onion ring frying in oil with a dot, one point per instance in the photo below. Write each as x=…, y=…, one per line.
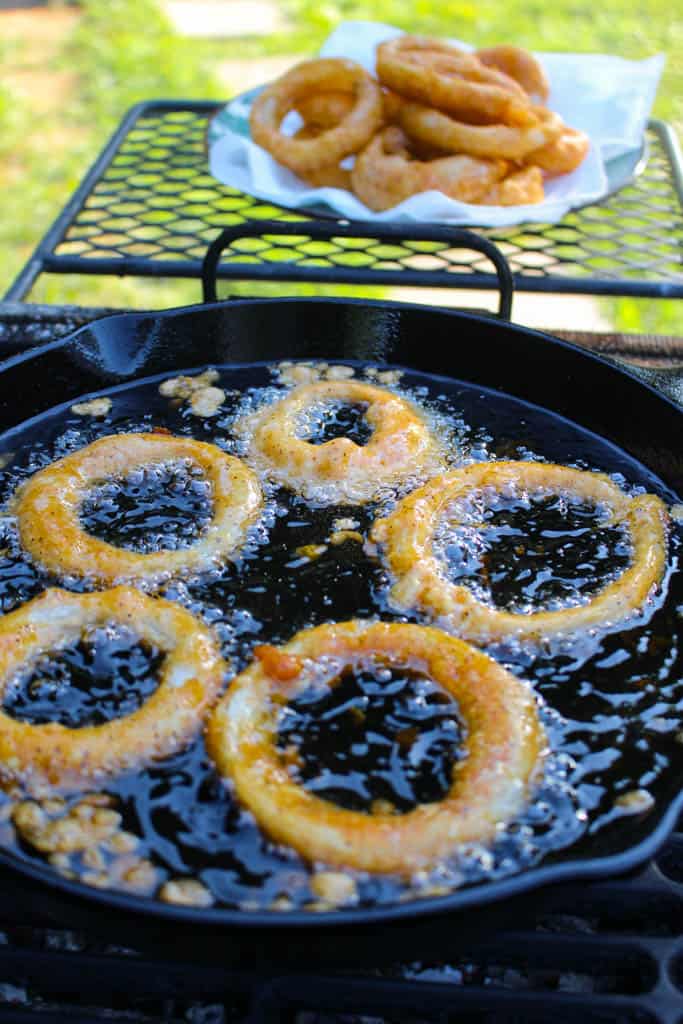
x=512, y=142
x=340, y=471
x=51, y=757
x=388, y=171
x=520, y=65
x=439, y=74
x=47, y=507
x=503, y=748
x=407, y=536
x=348, y=136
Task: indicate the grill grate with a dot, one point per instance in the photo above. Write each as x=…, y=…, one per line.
x=150, y=207
x=608, y=952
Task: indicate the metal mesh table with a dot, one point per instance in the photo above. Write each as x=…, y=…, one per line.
x=149, y=207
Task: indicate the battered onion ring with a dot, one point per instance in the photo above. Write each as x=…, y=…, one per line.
x=44, y=758
x=520, y=65
x=522, y=187
x=340, y=471
x=324, y=110
x=440, y=75
x=564, y=154
x=503, y=748
x=385, y=173
x=48, y=506
x=348, y=136
x=492, y=140
x=407, y=538
x=334, y=176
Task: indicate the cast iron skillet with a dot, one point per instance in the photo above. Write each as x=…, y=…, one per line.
x=526, y=364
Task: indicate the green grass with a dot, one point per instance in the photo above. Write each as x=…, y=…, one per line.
x=124, y=51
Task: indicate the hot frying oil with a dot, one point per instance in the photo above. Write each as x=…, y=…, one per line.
x=380, y=740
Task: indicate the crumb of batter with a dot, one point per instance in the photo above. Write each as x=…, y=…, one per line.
x=5, y=459
x=636, y=801
x=82, y=826
x=94, y=859
x=345, y=523
x=140, y=875
x=85, y=842
x=206, y=401
x=676, y=512
x=334, y=888
x=311, y=551
x=340, y=373
x=184, y=387
x=281, y=903
x=390, y=378
x=188, y=892
x=300, y=373
x=95, y=407
x=121, y=842
x=292, y=374
x=341, y=536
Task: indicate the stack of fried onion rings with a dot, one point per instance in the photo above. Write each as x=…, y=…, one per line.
x=40, y=759
x=473, y=125
x=503, y=748
x=406, y=538
x=48, y=504
x=340, y=471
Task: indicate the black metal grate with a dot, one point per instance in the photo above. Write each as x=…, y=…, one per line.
x=608, y=952
x=149, y=207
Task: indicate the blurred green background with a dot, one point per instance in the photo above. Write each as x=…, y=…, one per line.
x=70, y=71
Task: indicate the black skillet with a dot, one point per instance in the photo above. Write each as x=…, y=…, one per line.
x=482, y=351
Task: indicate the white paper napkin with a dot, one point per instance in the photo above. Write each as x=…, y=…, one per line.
x=609, y=98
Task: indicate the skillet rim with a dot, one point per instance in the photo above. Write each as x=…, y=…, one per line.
x=480, y=895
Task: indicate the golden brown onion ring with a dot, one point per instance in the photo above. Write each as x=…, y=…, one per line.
x=44, y=758
x=340, y=471
x=348, y=136
x=48, y=505
x=326, y=109
x=323, y=110
x=440, y=75
x=564, y=154
x=407, y=536
x=520, y=65
x=516, y=189
x=334, y=176
x=503, y=748
x=386, y=173
x=512, y=142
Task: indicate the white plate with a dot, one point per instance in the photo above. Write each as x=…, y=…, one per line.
x=233, y=121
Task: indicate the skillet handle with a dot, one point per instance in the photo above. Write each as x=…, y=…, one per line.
x=455, y=238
